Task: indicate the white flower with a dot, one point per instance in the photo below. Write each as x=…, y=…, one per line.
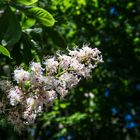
x=37, y=79
x=62, y=91
x=93, y=54
x=29, y=116
x=76, y=66
x=65, y=61
x=52, y=95
x=68, y=80
x=96, y=56
x=49, y=96
x=86, y=54
x=85, y=72
x=30, y=102
x=51, y=65
x=36, y=68
x=21, y=75
x=73, y=53
x=39, y=109
x=50, y=82
x=86, y=49
x=63, y=72
x=15, y=96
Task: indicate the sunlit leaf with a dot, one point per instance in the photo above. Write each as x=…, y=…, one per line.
x=26, y=2
x=4, y=51
x=43, y=16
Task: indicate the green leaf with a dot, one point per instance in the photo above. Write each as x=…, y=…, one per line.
x=27, y=22
x=10, y=32
x=43, y=16
x=27, y=85
x=4, y=51
x=25, y=2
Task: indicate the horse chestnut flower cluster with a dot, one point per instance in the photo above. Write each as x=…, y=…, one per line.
x=42, y=84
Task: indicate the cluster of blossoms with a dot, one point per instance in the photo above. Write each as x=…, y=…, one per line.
x=40, y=86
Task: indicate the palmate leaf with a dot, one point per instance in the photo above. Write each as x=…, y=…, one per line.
x=25, y=2
x=4, y=51
x=10, y=32
x=43, y=16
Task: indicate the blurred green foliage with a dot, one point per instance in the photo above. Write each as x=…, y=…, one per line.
x=105, y=107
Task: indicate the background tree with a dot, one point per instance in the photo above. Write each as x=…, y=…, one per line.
x=107, y=106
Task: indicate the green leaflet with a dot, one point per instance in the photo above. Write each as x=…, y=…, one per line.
x=4, y=51
x=25, y=2
x=43, y=16
x=27, y=22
